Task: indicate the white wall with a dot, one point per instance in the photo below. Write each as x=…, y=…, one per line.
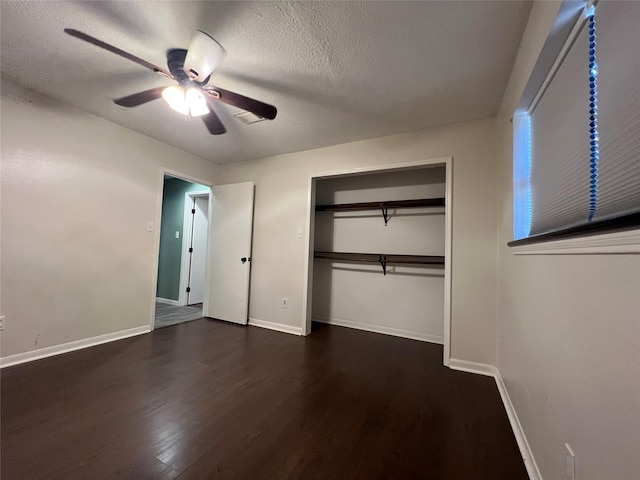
x=281, y=208
x=569, y=329
x=77, y=192
x=409, y=300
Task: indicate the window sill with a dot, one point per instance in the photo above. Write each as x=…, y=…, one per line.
x=606, y=243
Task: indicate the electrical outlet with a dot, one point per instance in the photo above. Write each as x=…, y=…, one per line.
x=284, y=302
x=149, y=226
x=177, y=234
x=2, y=323
x=570, y=463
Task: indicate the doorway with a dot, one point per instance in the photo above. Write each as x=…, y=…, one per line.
x=182, y=253
x=219, y=234
x=194, y=250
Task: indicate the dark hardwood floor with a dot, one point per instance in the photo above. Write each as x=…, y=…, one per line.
x=206, y=399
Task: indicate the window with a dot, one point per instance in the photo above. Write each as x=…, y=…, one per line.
x=577, y=132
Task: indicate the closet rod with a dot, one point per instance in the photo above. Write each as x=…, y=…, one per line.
x=382, y=258
x=383, y=206
x=346, y=207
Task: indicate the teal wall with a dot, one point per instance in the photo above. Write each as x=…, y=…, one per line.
x=170, y=246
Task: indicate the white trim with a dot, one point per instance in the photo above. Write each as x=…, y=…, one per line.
x=367, y=327
x=516, y=426
x=472, y=367
x=384, y=168
x=568, y=44
x=185, y=177
x=307, y=280
x=607, y=243
x=279, y=327
x=448, y=230
x=307, y=300
x=71, y=346
x=168, y=301
x=518, y=432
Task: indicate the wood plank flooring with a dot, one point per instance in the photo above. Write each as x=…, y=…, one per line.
x=206, y=399
x=167, y=315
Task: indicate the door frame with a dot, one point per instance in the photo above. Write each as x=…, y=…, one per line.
x=186, y=241
x=156, y=247
x=307, y=300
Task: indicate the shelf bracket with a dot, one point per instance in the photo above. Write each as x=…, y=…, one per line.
x=385, y=214
x=383, y=262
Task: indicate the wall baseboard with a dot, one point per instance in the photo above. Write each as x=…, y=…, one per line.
x=518, y=432
x=396, y=332
x=71, y=346
x=521, y=439
x=168, y=301
x=279, y=327
x=473, y=367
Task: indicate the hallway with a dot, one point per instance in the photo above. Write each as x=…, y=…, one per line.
x=167, y=315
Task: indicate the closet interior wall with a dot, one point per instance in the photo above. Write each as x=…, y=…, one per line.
x=409, y=300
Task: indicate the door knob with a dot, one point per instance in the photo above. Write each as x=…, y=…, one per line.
x=245, y=259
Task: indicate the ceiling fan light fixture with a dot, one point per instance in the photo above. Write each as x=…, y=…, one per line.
x=196, y=101
x=174, y=95
x=191, y=103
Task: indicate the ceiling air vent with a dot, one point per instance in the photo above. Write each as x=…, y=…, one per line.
x=248, y=118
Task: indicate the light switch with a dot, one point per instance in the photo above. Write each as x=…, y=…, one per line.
x=177, y=234
x=299, y=233
x=149, y=226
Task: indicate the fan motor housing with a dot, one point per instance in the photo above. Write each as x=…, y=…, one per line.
x=175, y=62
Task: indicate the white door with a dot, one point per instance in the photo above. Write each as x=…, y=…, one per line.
x=199, y=253
x=230, y=228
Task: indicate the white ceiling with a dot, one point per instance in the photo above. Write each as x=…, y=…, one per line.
x=337, y=71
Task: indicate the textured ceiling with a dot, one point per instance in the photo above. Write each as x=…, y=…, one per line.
x=337, y=71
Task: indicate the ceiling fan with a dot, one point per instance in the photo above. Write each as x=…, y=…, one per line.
x=191, y=69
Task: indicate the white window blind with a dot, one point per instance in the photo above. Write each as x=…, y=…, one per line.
x=583, y=162
x=618, y=57
x=560, y=145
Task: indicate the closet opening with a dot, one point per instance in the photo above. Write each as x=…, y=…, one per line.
x=379, y=250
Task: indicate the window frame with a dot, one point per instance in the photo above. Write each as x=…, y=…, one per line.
x=617, y=235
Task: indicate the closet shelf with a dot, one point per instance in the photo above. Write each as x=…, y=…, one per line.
x=384, y=206
x=382, y=258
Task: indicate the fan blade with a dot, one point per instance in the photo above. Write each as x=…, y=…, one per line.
x=116, y=50
x=140, y=97
x=213, y=123
x=256, y=107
